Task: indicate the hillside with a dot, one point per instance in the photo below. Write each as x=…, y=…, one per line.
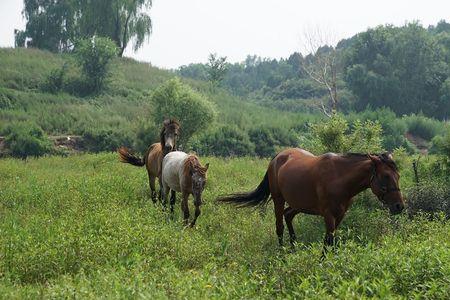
x=123, y=104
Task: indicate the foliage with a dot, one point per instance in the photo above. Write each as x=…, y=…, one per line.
x=426, y=128
x=57, y=25
x=94, y=55
x=224, y=141
x=399, y=67
x=430, y=198
x=269, y=140
x=177, y=100
x=97, y=140
x=441, y=145
x=147, y=133
x=330, y=136
x=216, y=68
x=55, y=80
x=366, y=137
x=334, y=135
x=26, y=139
x=83, y=227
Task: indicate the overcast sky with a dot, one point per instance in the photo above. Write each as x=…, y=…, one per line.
x=186, y=31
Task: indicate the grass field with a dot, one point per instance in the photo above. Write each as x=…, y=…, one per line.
x=85, y=227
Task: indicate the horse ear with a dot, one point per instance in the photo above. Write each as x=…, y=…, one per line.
x=207, y=166
x=374, y=158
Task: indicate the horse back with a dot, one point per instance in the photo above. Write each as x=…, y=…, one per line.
x=173, y=169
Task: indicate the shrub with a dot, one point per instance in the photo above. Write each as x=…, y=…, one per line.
x=329, y=136
x=268, y=140
x=423, y=127
x=441, y=145
x=224, y=141
x=97, y=140
x=177, y=100
x=147, y=133
x=55, y=80
x=26, y=139
x=334, y=135
x=366, y=137
x=394, y=128
x=430, y=198
x=94, y=56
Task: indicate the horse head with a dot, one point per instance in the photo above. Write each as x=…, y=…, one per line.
x=384, y=182
x=169, y=135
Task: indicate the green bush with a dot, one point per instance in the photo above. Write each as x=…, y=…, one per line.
x=177, y=100
x=335, y=135
x=430, y=198
x=224, y=141
x=394, y=128
x=441, y=146
x=55, y=80
x=26, y=139
x=147, y=133
x=97, y=140
x=269, y=140
x=94, y=56
x=424, y=127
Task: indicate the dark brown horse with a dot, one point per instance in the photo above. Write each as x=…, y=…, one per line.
x=322, y=185
x=154, y=155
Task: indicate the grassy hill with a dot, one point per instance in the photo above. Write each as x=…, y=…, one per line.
x=123, y=104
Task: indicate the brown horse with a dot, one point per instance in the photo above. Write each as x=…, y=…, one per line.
x=322, y=185
x=154, y=155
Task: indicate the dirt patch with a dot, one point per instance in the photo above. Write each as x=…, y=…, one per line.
x=421, y=144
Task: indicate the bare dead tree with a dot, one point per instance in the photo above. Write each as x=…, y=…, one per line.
x=320, y=64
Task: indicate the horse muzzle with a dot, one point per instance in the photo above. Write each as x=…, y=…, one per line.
x=396, y=208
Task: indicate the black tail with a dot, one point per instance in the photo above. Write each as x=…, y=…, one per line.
x=259, y=196
x=127, y=157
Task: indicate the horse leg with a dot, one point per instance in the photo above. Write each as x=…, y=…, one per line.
x=173, y=199
x=165, y=194
x=197, y=212
x=289, y=214
x=160, y=189
x=278, y=203
x=185, y=208
x=330, y=225
x=151, y=181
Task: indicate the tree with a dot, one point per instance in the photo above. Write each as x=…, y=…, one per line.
x=56, y=25
x=94, y=56
x=120, y=20
x=403, y=68
x=216, y=68
x=321, y=65
x=177, y=100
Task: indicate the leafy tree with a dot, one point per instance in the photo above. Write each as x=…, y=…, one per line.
x=56, y=25
x=94, y=56
x=216, y=68
x=177, y=100
x=399, y=67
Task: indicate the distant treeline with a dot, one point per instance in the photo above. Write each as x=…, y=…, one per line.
x=403, y=68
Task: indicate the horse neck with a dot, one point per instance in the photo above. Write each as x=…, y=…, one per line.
x=357, y=176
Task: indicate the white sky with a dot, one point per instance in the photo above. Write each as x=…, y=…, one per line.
x=186, y=31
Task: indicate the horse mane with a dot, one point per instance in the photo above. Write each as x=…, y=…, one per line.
x=193, y=164
x=167, y=123
x=384, y=157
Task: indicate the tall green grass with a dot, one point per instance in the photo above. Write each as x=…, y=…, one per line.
x=85, y=227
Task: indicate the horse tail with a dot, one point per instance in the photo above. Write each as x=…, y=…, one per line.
x=259, y=196
x=127, y=157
